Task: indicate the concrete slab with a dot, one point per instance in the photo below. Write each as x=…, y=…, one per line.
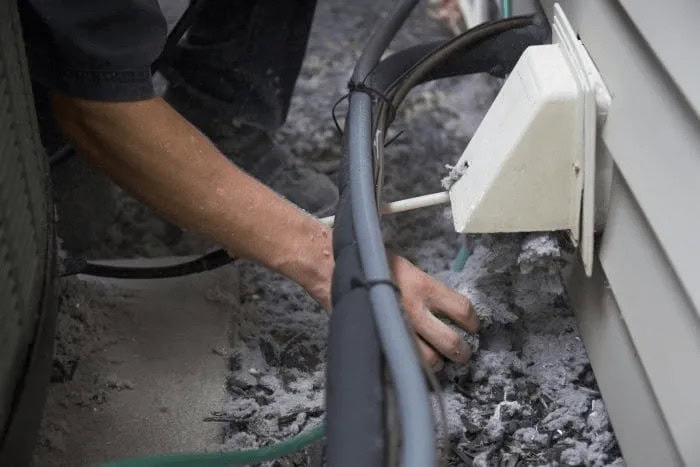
x=160, y=371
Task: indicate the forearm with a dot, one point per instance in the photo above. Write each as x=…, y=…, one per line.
x=157, y=156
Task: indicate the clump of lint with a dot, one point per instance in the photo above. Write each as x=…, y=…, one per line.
x=456, y=172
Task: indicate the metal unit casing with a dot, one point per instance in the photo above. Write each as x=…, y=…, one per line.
x=27, y=253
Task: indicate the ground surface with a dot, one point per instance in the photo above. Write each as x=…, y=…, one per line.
x=140, y=368
x=529, y=395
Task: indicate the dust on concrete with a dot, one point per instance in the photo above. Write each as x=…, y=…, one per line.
x=139, y=369
x=529, y=394
x=85, y=313
x=277, y=363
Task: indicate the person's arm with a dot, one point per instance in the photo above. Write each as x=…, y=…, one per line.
x=156, y=155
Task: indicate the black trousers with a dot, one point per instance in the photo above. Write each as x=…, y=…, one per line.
x=242, y=56
x=245, y=56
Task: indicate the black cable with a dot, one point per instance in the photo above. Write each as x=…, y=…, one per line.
x=207, y=262
x=335, y=118
x=495, y=55
x=62, y=154
x=436, y=63
x=179, y=30
x=409, y=79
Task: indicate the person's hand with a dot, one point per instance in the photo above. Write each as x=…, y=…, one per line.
x=422, y=298
x=161, y=159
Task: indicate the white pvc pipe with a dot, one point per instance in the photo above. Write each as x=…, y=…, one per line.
x=408, y=204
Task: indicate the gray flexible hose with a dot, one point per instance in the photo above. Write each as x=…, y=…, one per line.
x=418, y=438
x=418, y=447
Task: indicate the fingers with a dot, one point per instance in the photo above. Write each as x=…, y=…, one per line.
x=447, y=302
x=442, y=338
x=422, y=295
x=429, y=355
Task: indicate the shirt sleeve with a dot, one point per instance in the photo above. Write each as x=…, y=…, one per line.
x=94, y=49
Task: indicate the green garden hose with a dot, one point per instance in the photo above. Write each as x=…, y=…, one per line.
x=506, y=8
x=461, y=259
x=225, y=459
